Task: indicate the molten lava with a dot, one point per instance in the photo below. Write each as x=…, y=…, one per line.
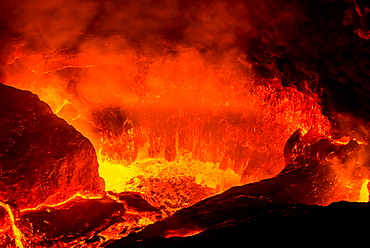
x=18, y=236
x=364, y=192
x=175, y=128
x=175, y=111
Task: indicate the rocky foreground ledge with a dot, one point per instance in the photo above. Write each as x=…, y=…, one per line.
x=42, y=158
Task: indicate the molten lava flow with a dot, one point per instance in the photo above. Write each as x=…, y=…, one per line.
x=76, y=196
x=182, y=233
x=176, y=112
x=177, y=128
x=364, y=192
x=18, y=236
x=178, y=131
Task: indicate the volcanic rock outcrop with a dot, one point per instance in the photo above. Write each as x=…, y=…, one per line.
x=42, y=158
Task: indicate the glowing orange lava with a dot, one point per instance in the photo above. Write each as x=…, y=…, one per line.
x=18, y=236
x=177, y=128
x=169, y=101
x=364, y=192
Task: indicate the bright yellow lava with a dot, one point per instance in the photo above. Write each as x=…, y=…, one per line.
x=364, y=192
x=121, y=178
x=17, y=233
x=172, y=185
